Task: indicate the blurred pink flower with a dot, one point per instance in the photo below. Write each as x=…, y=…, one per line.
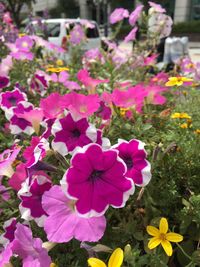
x=131, y=36
x=134, y=16
x=118, y=14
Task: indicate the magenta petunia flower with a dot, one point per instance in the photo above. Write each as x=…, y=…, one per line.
x=9, y=230
x=11, y=99
x=63, y=223
x=47, y=124
x=134, y=16
x=72, y=85
x=17, y=123
x=52, y=105
x=4, y=81
x=18, y=177
x=62, y=77
x=24, y=43
x=35, y=152
x=96, y=179
x=134, y=156
x=29, y=249
x=131, y=36
x=31, y=196
x=70, y=134
x=81, y=106
x=118, y=14
x=104, y=111
x=6, y=160
x=39, y=84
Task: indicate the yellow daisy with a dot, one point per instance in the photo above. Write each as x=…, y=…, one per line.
x=177, y=81
x=181, y=115
x=160, y=236
x=116, y=260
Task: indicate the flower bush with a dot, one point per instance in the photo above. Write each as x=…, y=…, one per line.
x=98, y=150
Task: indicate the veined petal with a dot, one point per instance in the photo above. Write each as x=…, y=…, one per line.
x=116, y=259
x=154, y=242
x=163, y=227
x=173, y=237
x=167, y=247
x=94, y=262
x=151, y=230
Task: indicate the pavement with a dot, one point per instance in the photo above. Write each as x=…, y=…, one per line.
x=194, y=50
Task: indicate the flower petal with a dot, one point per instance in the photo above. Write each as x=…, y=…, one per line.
x=94, y=262
x=154, y=242
x=163, y=227
x=167, y=247
x=151, y=230
x=116, y=259
x=173, y=237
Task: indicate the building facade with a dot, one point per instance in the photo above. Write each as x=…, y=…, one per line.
x=179, y=10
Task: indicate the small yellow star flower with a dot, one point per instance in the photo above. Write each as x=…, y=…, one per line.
x=181, y=115
x=177, y=81
x=116, y=260
x=160, y=236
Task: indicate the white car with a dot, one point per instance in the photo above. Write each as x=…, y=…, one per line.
x=58, y=29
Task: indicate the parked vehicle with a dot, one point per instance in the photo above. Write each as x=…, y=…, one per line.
x=57, y=31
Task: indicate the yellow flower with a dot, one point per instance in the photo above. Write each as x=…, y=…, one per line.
x=53, y=265
x=57, y=69
x=59, y=62
x=21, y=34
x=177, y=81
x=116, y=260
x=181, y=115
x=197, y=131
x=123, y=111
x=160, y=236
x=184, y=126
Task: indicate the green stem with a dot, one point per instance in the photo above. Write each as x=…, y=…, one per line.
x=183, y=251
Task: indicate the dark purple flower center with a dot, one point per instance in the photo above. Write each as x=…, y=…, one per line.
x=129, y=162
x=12, y=100
x=95, y=175
x=76, y=133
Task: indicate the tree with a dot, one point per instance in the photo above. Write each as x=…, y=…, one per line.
x=15, y=7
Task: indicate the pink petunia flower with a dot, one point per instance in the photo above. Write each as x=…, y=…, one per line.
x=29, y=249
x=134, y=16
x=24, y=43
x=90, y=83
x=156, y=7
x=18, y=177
x=77, y=35
x=6, y=160
x=81, y=106
x=52, y=105
x=22, y=55
x=63, y=223
x=134, y=156
x=62, y=77
x=34, y=117
x=96, y=184
x=11, y=98
x=132, y=35
x=70, y=134
x=6, y=65
x=39, y=83
x=118, y=14
x=31, y=195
